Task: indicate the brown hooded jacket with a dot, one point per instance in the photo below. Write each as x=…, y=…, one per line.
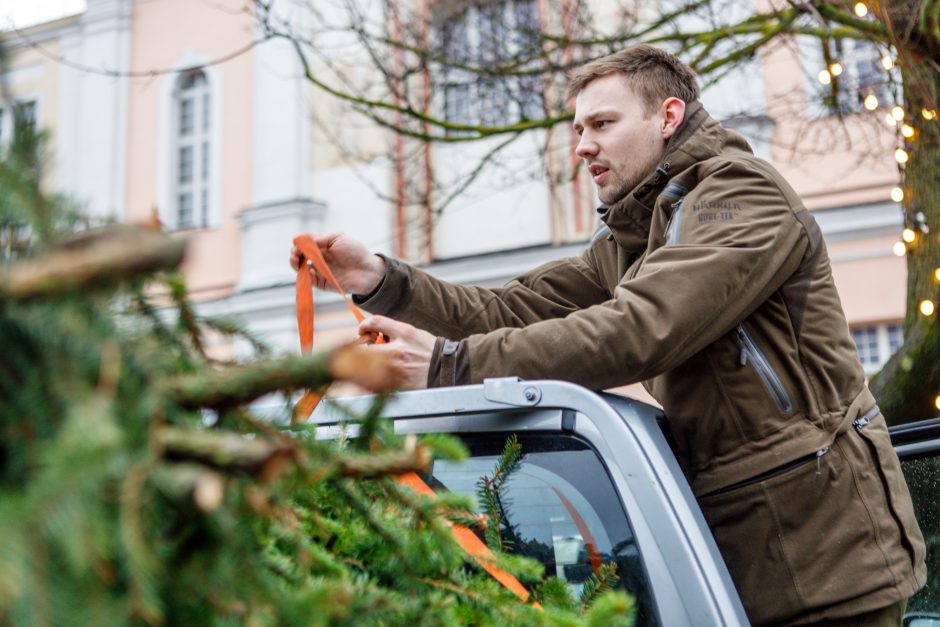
x=710, y=283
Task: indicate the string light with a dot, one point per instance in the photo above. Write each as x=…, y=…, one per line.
x=936, y=274
x=897, y=194
x=927, y=307
x=936, y=402
x=897, y=113
x=871, y=102
x=907, y=130
x=887, y=62
x=835, y=69
x=899, y=249
x=889, y=120
x=825, y=77
x=908, y=235
x=929, y=114
x=900, y=155
x=861, y=9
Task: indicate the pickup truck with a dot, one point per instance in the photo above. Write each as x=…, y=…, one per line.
x=598, y=482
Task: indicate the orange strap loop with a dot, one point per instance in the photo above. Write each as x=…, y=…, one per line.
x=467, y=540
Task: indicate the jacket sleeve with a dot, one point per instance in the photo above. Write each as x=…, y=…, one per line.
x=552, y=290
x=734, y=241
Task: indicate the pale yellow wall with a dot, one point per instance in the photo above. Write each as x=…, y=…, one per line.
x=163, y=33
x=33, y=75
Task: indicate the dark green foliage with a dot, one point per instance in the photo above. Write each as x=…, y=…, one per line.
x=500, y=534
x=119, y=505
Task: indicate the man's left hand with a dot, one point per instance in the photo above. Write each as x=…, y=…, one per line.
x=409, y=348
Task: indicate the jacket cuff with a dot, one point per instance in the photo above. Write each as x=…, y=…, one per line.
x=450, y=364
x=393, y=292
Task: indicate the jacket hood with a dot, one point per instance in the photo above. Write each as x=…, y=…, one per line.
x=700, y=137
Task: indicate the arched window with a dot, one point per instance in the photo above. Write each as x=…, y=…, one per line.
x=192, y=150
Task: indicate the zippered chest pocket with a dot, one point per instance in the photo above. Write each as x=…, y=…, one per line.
x=752, y=354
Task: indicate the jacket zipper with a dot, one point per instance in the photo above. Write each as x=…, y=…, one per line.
x=776, y=472
x=672, y=228
x=750, y=350
x=859, y=424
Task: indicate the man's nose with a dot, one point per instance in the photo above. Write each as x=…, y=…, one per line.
x=586, y=147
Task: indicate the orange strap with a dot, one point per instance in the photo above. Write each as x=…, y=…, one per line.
x=467, y=540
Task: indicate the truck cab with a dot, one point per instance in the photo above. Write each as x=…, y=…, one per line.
x=598, y=482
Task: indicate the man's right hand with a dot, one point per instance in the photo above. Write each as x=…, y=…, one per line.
x=357, y=270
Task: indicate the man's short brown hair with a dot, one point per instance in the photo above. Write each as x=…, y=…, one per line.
x=653, y=74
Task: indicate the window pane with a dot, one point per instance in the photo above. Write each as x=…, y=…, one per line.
x=866, y=341
x=204, y=207
x=205, y=113
x=895, y=338
x=923, y=480
x=185, y=211
x=205, y=161
x=559, y=507
x=186, y=116
x=186, y=165
x=191, y=80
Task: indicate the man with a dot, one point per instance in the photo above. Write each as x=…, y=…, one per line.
x=710, y=283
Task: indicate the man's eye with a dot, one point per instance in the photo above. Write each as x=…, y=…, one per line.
x=601, y=123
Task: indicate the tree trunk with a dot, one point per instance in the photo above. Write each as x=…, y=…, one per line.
x=909, y=383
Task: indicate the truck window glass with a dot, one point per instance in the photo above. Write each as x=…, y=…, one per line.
x=562, y=507
x=923, y=480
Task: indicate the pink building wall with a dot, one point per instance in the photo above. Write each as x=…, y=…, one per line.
x=163, y=35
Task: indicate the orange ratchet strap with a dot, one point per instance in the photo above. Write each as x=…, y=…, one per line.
x=467, y=540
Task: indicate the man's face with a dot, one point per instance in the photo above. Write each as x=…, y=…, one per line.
x=620, y=144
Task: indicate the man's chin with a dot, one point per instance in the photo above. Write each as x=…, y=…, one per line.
x=610, y=196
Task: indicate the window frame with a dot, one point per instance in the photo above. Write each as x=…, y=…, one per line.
x=515, y=100
x=167, y=164
x=687, y=575
x=882, y=343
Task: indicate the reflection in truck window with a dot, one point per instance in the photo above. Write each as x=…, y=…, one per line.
x=562, y=508
x=923, y=480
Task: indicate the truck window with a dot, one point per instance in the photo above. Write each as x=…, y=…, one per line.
x=923, y=480
x=562, y=507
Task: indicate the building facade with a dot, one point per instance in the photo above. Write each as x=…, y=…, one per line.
x=203, y=115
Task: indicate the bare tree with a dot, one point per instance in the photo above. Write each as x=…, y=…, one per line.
x=455, y=72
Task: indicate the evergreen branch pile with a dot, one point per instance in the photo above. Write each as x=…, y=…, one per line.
x=136, y=486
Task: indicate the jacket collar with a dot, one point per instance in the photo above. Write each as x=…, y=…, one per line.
x=699, y=137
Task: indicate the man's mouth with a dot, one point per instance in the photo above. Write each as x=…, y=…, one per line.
x=599, y=173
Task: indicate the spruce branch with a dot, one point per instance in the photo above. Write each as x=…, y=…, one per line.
x=94, y=259
x=242, y=384
x=598, y=583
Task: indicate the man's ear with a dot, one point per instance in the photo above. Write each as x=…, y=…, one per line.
x=673, y=113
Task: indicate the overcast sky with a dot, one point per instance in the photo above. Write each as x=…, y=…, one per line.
x=23, y=13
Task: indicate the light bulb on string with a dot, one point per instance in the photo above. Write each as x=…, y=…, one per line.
x=897, y=194
x=897, y=113
x=936, y=402
x=936, y=274
x=887, y=62
x=861, y=9
x=889, y=120
x=927, y=307
x=907, y=130
x=835, y=69
x=908, y=235
x=824, y=77
x=901, y=156
x=928, y=114
x=899, y=249
x=871, y=102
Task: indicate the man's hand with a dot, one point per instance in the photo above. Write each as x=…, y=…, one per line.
x=356, y=269
x=408, y=348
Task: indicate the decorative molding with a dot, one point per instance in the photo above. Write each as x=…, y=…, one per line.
x=266, y=232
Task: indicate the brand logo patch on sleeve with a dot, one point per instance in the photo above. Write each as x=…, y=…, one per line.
x=716, y=210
